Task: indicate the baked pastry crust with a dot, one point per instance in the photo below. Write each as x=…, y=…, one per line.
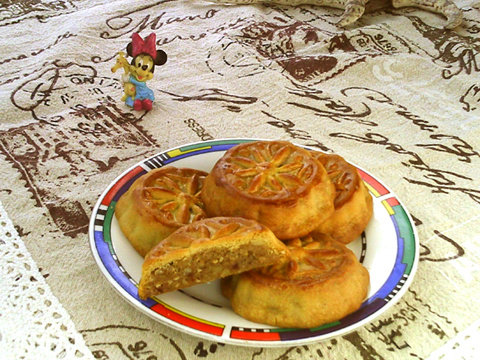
x=353, y=203
x=274, y=182
x=207, y=250
x=158, y=203
x=321, y=282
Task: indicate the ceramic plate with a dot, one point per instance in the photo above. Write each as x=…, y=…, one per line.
x=388, y=248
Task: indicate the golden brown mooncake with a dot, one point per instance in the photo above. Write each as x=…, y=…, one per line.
x=158, y=203
x=353, y=203
x=206, y=250
x=321, y=282
x=274, y=182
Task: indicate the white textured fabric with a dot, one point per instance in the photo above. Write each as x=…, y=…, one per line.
x=464, y=346
x=394, y=93
x=33, y=324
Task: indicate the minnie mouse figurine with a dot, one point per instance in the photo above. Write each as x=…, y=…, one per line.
x=139, y=71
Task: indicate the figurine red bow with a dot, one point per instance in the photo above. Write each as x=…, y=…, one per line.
x=146, y=46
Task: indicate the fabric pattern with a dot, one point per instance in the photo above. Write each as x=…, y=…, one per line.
x=395, y=94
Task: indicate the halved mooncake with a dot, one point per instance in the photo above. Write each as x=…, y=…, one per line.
x=158, y=203
x=321, y=282
x=274, y=182
x=207, y=250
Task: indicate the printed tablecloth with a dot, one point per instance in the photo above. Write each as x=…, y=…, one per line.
x=395, y=93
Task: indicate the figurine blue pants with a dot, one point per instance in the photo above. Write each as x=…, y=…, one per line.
x=142, y=92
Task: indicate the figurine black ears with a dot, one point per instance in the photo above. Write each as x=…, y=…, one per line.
x=161, y=58
x=139, y=46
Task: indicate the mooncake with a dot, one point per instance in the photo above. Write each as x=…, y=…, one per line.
x=322, y=281
x=353, y=203
x=273, y=182
x=158, y=203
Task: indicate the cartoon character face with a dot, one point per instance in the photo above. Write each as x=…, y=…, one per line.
x=142, y=67
x=144, y=56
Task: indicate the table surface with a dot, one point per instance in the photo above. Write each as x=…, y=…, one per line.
x=395, y=93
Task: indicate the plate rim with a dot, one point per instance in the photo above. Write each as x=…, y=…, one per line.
x=224, y=337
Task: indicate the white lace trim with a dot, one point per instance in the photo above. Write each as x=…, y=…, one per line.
x=33, y=324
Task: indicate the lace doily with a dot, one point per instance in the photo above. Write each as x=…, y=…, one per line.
x=33, y=324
